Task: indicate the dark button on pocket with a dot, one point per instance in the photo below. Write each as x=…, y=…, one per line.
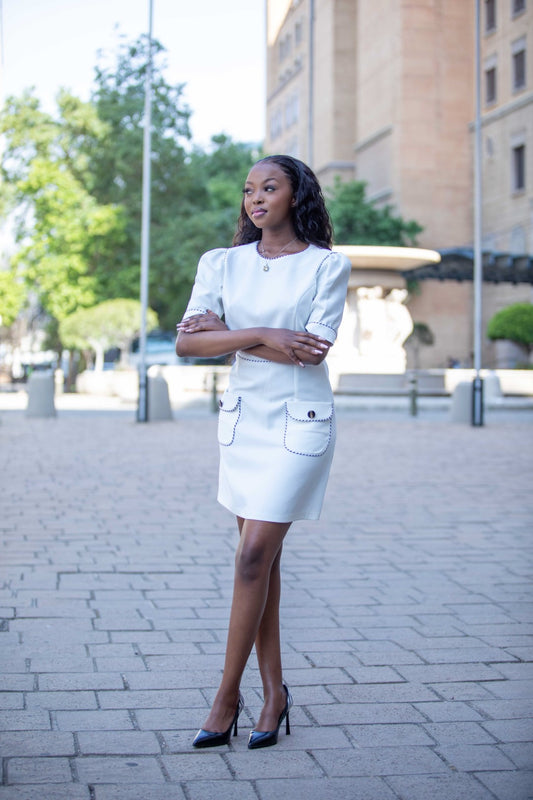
x=311, y=414
x=220, y=403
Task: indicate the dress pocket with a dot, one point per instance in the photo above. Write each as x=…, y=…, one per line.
x=228, y=417
x=308, y=427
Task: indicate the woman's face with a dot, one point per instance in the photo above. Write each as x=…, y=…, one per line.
x=268, y=197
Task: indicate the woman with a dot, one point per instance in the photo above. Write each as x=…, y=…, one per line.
x=281, y=292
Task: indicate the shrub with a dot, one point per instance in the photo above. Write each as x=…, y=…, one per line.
x=514, y=323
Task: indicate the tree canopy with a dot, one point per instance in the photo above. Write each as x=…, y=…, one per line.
x=359, y=221
x=515, y=322
x=65, y=235
x=72, y=182
x=194, y=194
x=12, y=297
x=113, y=323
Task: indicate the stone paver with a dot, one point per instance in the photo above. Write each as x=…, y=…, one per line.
x=406, y=613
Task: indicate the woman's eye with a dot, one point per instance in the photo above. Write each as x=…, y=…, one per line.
x=247, y=191
x=270, y=188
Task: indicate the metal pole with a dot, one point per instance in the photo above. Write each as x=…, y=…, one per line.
x=477, y=385
x=142, y=411
x=413, y=394
x=310, y=120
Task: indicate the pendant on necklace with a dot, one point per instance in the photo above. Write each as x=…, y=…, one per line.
x=265, y=267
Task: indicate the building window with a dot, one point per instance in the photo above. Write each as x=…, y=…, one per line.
x=285, y=47
x=519, y=64
x=518, y=167
x=292, y=110
x=490, y=15
x=298, y=33
x=518, y=7
x=276, y=124
x=490, y=85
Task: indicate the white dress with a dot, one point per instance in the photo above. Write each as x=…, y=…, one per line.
x=276, y=426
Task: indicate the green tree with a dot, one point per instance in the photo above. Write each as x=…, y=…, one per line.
x=12, y=297
x=359, y=221
x=514, y=323
x=195, y=195
x=75, y=180
x=113, y=323
x=65, y=236
x=118, y=98
x=210, y=220
x=420, y=336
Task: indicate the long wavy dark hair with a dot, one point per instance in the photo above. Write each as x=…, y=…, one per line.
x=310, y=217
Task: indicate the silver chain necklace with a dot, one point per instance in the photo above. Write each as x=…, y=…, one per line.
x=261, y=250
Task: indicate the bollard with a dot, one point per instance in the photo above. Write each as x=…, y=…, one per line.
x=492, y=389
x=461, y=406
x=158, y=400
x=413, y=395
x=41, y=395
x=477, y=402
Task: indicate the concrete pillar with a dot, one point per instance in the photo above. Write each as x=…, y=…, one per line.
x=41, y=395
x=492, y=389
x=158, y=399
x=461, y=406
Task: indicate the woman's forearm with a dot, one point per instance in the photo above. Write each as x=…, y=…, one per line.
x=207, y=344
x=205, y=336
x=262, y=351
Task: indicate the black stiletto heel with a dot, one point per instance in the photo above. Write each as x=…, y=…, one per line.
x=212, y=739
x=259, y=739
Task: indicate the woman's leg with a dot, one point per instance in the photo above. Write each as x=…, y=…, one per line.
x=259, y=547
x=268, y=650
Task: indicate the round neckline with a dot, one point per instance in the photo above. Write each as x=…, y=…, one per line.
x=283, y=255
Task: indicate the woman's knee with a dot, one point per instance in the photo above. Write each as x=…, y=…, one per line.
x=259, y=549
x=252, y=561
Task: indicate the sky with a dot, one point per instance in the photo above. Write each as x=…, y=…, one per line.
x=215, y=47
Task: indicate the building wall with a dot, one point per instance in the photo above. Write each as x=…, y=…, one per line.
x=393, y=104
x=378, y=52
x=507, y=123
x=288, y=56
x=392, y=98
x=447, y=308
x=328, y=143
x=435, y=109
x=415, y=101
x=334, y=97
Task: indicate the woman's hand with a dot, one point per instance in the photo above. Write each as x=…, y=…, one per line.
x=202, y=322
x=296, y=345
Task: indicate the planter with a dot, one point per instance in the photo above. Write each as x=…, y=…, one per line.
x=508, y=355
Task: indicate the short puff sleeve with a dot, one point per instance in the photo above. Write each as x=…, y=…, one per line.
x=207, y=290
x=328, y=303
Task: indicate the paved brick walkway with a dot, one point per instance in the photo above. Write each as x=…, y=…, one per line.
x=406, y=618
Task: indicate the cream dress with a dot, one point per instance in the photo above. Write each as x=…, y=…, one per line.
x=276, y=427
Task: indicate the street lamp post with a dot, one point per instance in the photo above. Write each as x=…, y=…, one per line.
x=142, y=410
x=477, y=385
x=311, y=88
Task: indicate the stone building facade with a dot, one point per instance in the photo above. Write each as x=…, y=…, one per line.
x=384, y=91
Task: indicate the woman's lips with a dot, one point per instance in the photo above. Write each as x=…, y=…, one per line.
x=258, y=212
